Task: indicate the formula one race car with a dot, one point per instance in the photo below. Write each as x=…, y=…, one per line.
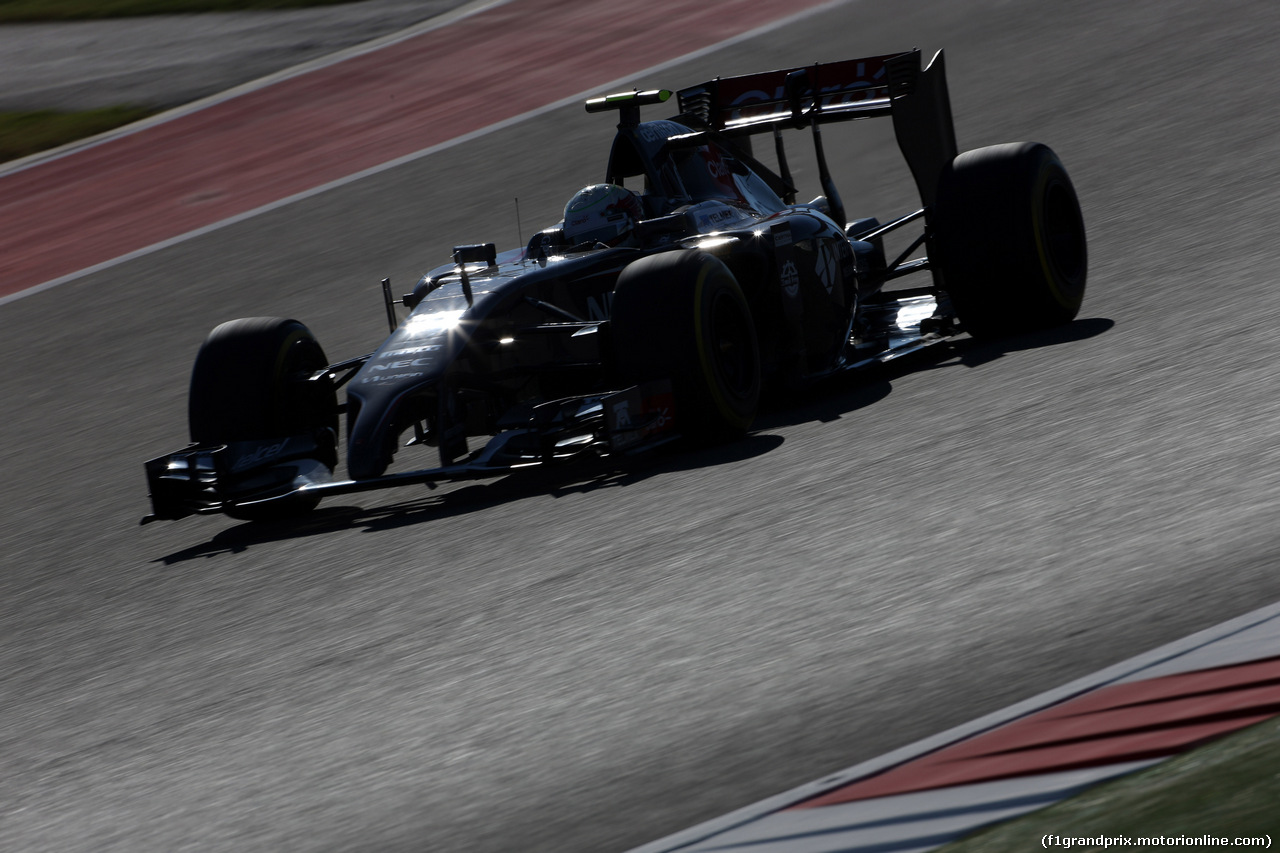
x=664, y=304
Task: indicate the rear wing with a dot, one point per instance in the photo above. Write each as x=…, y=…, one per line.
x=893, y=85
x=854, y=88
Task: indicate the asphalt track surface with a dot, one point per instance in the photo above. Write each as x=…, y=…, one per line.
x=589, y=664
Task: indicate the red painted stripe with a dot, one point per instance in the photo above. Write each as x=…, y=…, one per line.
x=67, y=214
x=1155, y=718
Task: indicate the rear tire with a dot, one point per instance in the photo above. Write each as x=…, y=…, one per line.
x=248, y=383
x=681, y=315
x=1009, y=241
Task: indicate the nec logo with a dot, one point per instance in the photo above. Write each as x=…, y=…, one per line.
x=401, y=365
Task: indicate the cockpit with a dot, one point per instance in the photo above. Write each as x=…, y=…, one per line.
x=689, y=182
x=672, y=167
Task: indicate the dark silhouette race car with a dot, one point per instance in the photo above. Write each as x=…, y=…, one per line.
x=670, y=298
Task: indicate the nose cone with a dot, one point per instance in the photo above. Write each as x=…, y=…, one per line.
x=386, y=394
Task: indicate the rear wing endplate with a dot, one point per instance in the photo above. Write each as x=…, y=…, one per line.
x=893, y=85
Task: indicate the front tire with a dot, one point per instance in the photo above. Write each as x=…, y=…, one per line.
x=250, y=383
x=681, y=315
x=1009, y=242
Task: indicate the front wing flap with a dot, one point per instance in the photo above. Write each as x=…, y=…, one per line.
x=204, y=479
x=208, y=478
x=629, y=421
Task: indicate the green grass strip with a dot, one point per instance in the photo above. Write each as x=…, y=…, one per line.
x=23, y=133
x=1227, y=789
x=15, y=11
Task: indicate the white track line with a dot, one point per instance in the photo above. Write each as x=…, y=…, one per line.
x=442, y=20
x=1249, y=637
x=417, y=155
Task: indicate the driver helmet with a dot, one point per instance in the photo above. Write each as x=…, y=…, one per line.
x=601, y=213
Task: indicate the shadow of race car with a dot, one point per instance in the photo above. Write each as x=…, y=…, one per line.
x=669, y=299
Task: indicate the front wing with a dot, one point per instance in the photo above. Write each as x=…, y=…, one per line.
x=210, y=479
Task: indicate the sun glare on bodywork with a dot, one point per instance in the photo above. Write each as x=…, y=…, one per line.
x=437, y=322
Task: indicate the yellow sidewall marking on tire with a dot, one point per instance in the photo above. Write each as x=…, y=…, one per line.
x=1037, y=210
x=278, y=372
x=708, y=369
